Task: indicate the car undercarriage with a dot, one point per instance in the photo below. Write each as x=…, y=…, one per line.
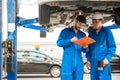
x=61, y=11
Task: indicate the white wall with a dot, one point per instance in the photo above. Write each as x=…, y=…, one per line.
x=28, y=38
x=50, y=49
x=30, y=35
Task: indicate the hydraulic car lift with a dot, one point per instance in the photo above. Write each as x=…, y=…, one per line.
x=11, y=42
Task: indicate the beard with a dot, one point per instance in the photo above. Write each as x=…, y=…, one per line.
x=76, y=28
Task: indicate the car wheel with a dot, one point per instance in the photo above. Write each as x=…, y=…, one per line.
x=55, y=71
x=44, y=14
x=86, y=70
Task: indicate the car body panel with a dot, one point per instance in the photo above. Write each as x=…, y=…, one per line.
x=115, y=63
x=35, y=62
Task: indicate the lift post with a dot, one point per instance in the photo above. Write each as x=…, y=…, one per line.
x=12, y=36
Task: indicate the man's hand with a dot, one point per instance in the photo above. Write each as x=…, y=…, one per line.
x=88, y=65
x=84, y=45
x=74, y=39
x=105, y=62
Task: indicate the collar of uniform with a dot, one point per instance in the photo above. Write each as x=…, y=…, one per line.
x=99, y=30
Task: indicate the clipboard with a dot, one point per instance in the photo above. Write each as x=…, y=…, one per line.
x=86, y=40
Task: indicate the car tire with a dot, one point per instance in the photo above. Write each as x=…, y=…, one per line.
x=55, y=71
x=117, y=15
x=44, y=14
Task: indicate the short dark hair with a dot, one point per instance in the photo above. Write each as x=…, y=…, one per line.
x=81, y=18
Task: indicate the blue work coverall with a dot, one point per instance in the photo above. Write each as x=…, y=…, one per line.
x=72, y=64
x=104, y=47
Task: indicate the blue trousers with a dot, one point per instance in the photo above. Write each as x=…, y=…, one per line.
x=72, y=68
x=94, y=74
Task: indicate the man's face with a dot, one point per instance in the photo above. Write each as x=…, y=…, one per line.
x=79, y=25
x=97, y=23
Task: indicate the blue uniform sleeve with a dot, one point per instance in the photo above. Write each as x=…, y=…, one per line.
x=85, y=50
x=88, y=55
x=111, y=46
x=62, y=41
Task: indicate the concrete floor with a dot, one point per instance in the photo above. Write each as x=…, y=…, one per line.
x=115, y=76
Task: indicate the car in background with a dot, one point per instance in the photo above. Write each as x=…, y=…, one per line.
x=37, y=62
x=115, y=64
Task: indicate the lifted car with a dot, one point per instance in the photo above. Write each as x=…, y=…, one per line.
x=52, y=12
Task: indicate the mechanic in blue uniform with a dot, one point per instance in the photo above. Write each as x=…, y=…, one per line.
x=102, y=50
x=72, y=64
